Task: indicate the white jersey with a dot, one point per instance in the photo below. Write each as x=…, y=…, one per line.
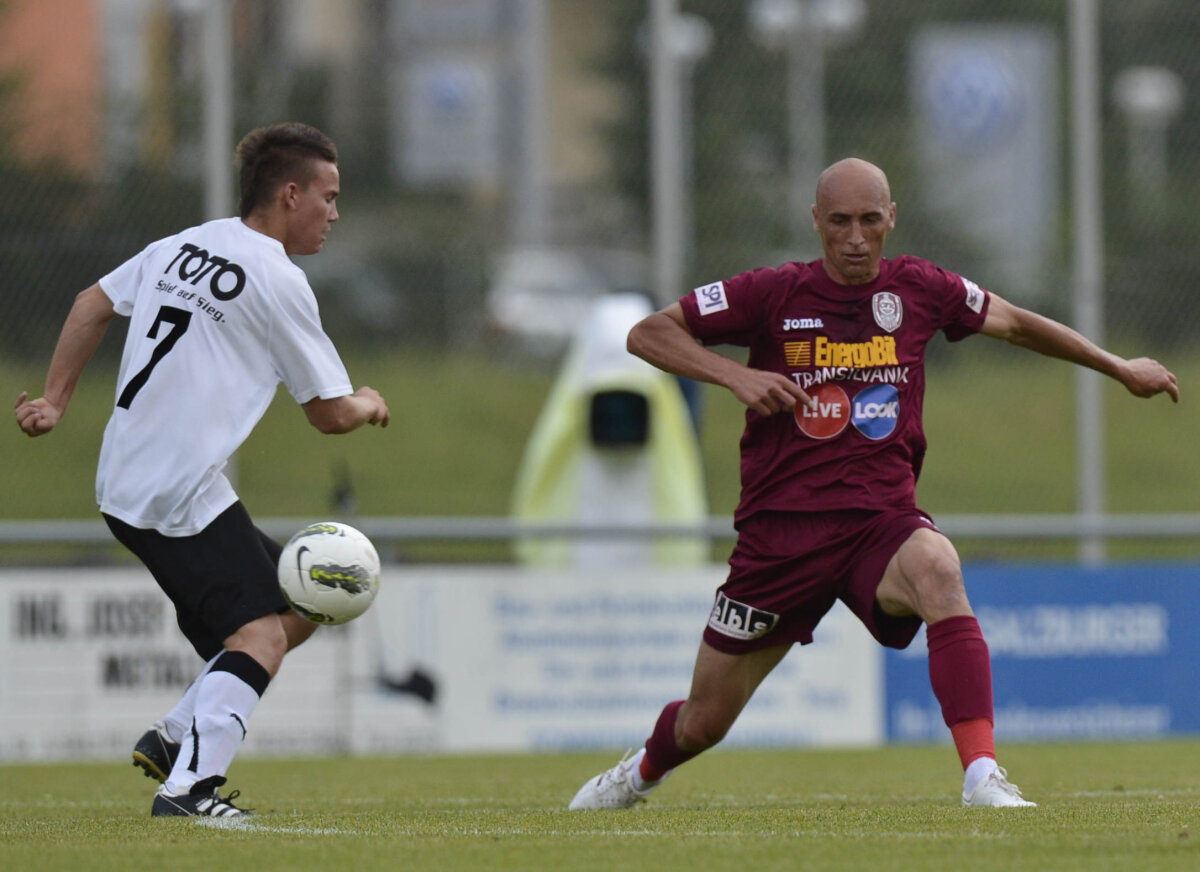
x=219, y=316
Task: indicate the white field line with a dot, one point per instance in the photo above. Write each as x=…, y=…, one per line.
x=243, y=825
x=713, y=834
x=495, y=804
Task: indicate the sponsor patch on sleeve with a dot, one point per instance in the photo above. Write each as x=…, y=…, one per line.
x=711, y=298
x=974, y=295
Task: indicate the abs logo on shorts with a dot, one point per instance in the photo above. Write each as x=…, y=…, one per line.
x=740, y=621
x=876, y=411
x=831, y=415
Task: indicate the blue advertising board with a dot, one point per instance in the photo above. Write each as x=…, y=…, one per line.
x=1107, y=652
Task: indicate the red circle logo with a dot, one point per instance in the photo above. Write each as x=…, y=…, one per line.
x=831, y=415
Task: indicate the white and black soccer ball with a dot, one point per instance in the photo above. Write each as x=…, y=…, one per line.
x=329, y=572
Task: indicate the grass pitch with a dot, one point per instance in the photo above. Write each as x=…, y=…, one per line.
x=1102, y=806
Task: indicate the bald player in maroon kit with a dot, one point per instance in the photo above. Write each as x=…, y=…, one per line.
x=831, y=453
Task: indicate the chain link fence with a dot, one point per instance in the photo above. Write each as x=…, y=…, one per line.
x=495, y=163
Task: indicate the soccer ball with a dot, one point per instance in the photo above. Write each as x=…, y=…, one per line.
x=329, y=573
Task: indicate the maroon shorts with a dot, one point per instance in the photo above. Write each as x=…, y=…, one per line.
x=788, y=569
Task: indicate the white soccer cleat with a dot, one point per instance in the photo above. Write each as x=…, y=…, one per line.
x=613, y=789
x=996, y=791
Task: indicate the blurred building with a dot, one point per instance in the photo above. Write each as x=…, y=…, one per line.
x=51, y=81
x=100, y=84
x=470, y=134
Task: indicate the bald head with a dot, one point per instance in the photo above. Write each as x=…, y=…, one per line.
x=853, y=214
x=855, y=174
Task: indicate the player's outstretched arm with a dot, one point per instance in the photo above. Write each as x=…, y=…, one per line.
x=664, y=340
x=1142, y=376
x=343, y=414
x=81, y=333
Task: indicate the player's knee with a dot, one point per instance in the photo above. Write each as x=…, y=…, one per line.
x=939, y=586
x=942, y=573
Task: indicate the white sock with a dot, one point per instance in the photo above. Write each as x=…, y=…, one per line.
x=225, y=698
x=179, y=719
x=635, y=773
x=980, y=768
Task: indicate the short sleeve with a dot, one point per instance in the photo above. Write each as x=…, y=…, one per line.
x=121, y=285
x=303, y=356
x=965, y=306
x=730, y=312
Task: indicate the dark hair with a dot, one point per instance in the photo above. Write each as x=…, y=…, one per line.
x=268, y=157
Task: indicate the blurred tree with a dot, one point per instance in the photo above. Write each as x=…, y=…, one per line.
x=740, y=145
x=61, y=230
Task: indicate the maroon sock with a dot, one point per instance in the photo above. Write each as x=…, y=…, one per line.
x=960, y=669
x=662, y=754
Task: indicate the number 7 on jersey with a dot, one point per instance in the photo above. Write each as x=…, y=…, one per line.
x=179, y=320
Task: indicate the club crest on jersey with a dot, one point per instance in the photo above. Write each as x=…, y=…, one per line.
x=888, y=310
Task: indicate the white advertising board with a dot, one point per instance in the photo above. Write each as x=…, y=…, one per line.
x=447, y=659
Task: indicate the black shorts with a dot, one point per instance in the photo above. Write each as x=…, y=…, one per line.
x=221, y=579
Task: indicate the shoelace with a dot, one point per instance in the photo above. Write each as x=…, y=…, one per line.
x=1000, y=776
x=220, y=806
x=619, y=774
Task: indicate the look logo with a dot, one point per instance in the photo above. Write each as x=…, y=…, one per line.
x=831, y=415
x=876, y=411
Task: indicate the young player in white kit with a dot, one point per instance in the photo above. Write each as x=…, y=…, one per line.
x=219, y=315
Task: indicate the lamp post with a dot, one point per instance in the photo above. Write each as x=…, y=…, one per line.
x=804, y=30
x=676, y=43
x=1083, y=25
x=1150, y=98
x=530, y=200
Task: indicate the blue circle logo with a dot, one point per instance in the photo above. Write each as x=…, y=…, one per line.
x=974, y=100
x=876, y=411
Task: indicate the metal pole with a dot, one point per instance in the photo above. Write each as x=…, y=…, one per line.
x=1089, y=264
x=218, y=109
x=217, y=44
x=806, y=116
x=666, y=180
x=530, y=196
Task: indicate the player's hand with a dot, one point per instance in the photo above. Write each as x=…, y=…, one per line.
x=36, y=417
x=1144, y=377
x=769, y=392
x=381, y=416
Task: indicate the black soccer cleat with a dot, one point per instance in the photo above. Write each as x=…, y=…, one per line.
x=201, y=801
x=155, y=753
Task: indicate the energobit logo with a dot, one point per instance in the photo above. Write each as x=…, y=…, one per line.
x=879, y=351
x=831, y=415
x=740, y=621
x=876, y=411
x=797, y=353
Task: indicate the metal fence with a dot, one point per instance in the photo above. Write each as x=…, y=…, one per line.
x=498, y=166
x=475, y=128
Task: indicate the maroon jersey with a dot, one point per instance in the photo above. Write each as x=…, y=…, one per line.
x=860, y=351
